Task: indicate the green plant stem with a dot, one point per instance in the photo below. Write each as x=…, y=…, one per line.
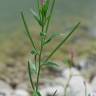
x=62, y=42
x=29, y=72
x=27, y=30
x=39, y=67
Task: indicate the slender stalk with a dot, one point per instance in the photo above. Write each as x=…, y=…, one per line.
x=29, y=71
x=39, y=67
x=27, y=30
x=60, y=44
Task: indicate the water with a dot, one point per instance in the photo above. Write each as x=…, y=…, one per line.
x=10, y=11
x=64, y=9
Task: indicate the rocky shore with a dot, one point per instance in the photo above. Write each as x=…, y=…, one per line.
x=14, y=79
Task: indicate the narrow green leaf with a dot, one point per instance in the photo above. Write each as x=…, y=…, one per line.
x=62, y=42
x=35, y=15
x=30, y=77
x=27, y=30
x=50, y=14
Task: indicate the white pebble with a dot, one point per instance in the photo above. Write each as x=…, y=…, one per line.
x=20, y=92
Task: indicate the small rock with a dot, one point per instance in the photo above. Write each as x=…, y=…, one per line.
x=5, y=89
x=21, y=92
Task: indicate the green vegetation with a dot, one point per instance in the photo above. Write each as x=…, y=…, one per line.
x=42, y=15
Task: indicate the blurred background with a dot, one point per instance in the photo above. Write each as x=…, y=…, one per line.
x=15, y=47
x=66, y=14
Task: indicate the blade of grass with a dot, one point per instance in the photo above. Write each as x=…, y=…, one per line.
x=51, y=10
x=38, y=8
x=27, y=30
x=62, y=42
x=29, y=72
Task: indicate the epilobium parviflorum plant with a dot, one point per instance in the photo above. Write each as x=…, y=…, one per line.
x=43, y=14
